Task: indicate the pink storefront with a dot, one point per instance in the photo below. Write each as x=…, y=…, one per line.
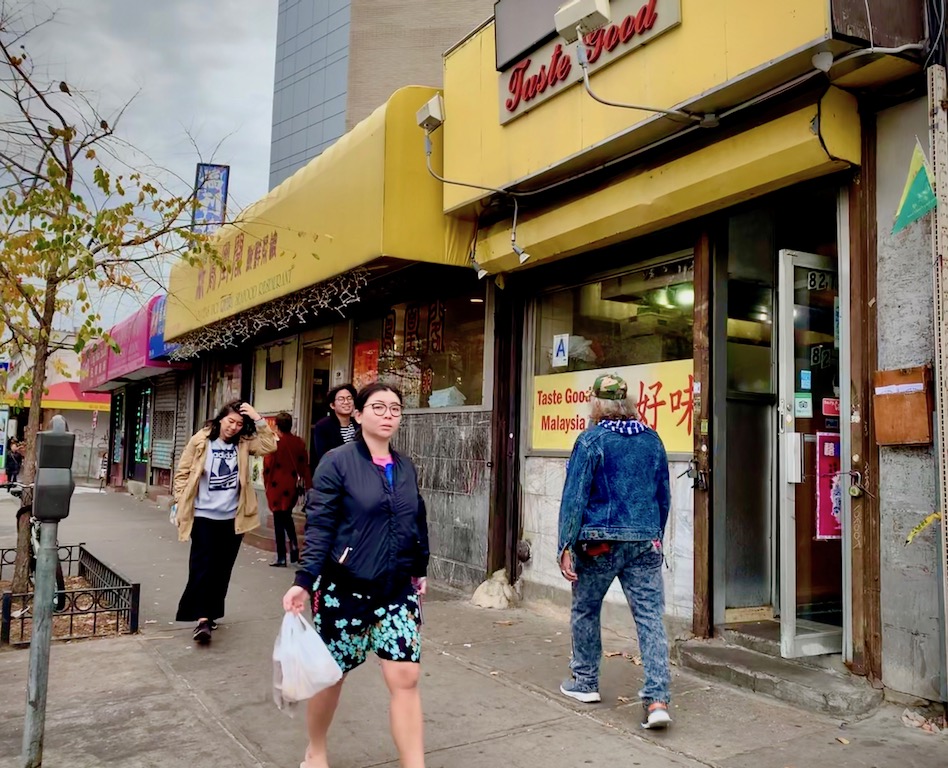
x=136, y=379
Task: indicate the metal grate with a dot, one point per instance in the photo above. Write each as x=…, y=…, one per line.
x=164, y=425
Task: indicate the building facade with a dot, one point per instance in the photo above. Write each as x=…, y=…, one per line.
x=727, y=256
x=728, y=249
x=338, y=60
x=86, y=414
x=152, y=401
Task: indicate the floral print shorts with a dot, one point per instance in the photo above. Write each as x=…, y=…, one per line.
x=354, y=625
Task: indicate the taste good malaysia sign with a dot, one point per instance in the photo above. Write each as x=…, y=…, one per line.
x=664, y=394
x=551, y=69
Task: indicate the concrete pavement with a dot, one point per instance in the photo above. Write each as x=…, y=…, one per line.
x=490, y=687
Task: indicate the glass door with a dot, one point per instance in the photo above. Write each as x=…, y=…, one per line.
x=811, y=484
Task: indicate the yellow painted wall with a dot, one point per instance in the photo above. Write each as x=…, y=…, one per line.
x=718, y=40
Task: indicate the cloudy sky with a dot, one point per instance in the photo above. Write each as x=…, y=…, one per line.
x=202, y=68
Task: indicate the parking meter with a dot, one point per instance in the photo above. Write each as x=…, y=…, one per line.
x=54, y=483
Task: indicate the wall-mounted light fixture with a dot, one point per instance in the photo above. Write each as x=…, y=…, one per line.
x=576, y=19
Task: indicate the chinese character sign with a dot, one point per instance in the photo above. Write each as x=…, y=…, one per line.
x=210, y=192
x=663, y=393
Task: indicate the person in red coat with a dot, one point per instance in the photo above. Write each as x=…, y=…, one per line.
x=286, y=476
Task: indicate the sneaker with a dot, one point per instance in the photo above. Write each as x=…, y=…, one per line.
x=584, y=693
x=278, y=564
x=655, y=716
x=202, y=633
x=213, y=625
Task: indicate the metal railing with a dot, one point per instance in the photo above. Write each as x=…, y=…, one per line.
x=68, y=560
x=109, y=606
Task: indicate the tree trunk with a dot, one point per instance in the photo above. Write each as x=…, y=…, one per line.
x=21, y=569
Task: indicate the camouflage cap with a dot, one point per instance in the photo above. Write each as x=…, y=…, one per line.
x=610, y=386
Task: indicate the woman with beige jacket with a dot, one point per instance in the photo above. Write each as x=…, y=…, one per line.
x=216, y=506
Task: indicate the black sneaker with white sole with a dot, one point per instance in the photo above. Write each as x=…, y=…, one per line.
x=202, y=633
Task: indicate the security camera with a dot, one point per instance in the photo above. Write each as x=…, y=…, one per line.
x=431, y=116
x=580, y=17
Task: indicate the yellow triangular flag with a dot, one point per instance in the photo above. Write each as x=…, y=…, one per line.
x=918, y=197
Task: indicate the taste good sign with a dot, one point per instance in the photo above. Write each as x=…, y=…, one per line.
x=553, y=68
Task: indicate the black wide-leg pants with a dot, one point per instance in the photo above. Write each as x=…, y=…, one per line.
x=214, y=547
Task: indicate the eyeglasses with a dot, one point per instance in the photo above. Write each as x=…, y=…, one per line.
x=380, y=409
x=342, y=400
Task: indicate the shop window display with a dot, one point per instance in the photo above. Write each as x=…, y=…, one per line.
x=638, y=323
x=432, y=350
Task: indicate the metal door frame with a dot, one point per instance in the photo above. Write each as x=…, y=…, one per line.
x=789, y=454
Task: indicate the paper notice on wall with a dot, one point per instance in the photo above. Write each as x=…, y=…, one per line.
x=561, y=350
x=901, y=389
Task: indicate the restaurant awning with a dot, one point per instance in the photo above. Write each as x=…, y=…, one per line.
x=814, y=141
x=103, y=369
x=64, y=396
x=368, y=196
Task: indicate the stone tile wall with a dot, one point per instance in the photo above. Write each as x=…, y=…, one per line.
x=451, y=451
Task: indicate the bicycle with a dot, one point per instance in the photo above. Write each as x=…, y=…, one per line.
x=16, y=490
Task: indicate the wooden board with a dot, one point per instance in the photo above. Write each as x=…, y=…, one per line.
x=902, y=401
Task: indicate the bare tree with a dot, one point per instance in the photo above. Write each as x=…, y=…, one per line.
x=74, y=220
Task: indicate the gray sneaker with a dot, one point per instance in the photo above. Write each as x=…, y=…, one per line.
x=655, y=716
x=584, y=693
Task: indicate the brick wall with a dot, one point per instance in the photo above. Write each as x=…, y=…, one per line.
x=400, y=42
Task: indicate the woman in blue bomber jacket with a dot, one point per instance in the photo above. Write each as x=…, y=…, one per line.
x=612, y=520
x=366, y=555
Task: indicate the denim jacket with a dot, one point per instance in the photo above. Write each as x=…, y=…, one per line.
x=617, y=486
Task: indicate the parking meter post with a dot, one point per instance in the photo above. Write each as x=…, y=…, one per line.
x=52, y=493
x=44, y=595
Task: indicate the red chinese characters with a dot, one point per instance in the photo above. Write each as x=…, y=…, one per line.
x=683, y=400
x=649, y=402
x=238, y=255
x=436, y=314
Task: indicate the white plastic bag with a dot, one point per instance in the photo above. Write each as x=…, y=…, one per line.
x=302, y=664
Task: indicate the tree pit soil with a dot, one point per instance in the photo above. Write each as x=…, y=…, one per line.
x=68, y=625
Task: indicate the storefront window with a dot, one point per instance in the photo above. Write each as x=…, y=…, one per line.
x=639, y=324
x=226, y=385
x=432, y=351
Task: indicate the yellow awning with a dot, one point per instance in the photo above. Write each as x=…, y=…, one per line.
x=368, y=196
x=812, y=142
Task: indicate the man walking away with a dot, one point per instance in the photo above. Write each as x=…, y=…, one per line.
x=286, y=477
x=612, y=520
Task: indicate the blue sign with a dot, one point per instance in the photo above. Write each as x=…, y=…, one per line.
x=158, y=348
x=210, y=192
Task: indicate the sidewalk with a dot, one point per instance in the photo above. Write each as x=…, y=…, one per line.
x=490, y=687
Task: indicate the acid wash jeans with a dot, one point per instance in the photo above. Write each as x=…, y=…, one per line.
x=638, y=566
